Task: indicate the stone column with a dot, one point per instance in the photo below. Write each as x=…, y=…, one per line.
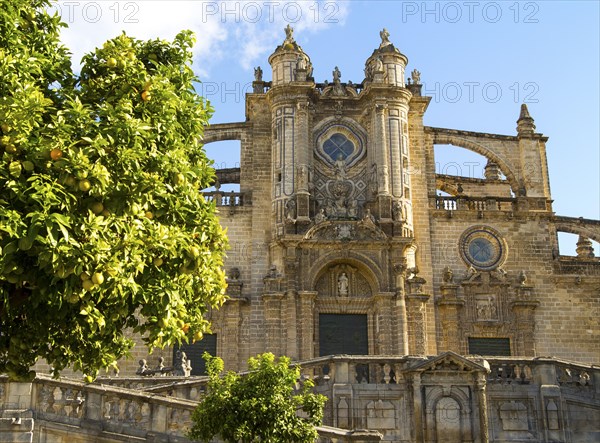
x=383, y=333
x=273, y=330
x=417, y=406
x=417, y=316
x=450, y=314
x=400, y=308
x=394, y=134
x=480, y=386
x=289, y=319
x=381, y=149
x=303, y=154
x=307, y=323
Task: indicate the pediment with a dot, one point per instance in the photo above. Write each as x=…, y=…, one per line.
x=450, y=362
x=350, y=230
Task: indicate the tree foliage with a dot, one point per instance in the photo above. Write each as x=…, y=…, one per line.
x=103, y=227
x=261, y=406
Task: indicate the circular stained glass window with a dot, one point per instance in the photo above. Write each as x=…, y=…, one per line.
x=483, y=248
x=338, y=146
x=340, y=141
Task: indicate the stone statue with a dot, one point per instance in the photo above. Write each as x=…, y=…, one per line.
x=448, y=275
x=368, y=217
x=337, y=75
x=258, y=74
x=398, y=211
x=522, y=278
x=416, y=77
x=373, y=179
x=320, y=217
x=301, y=63
x=378, y=66
x=385, y=38
x=343, y=284
x=290, y=210
x=340, y=167
x=289, y=34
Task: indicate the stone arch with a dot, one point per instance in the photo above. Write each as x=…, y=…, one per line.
x=222, y=132
x=575, y=228
x=366, y=266
x=507, y=170
x=448, y=415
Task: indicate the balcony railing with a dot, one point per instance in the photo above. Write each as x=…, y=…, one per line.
x=451, y=203
x=231, y=199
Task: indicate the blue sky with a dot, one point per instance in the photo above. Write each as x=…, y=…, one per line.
x=478, y=60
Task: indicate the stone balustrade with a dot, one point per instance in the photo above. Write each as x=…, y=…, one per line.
x=102, y=409
x=232, y=199
x=379, y=393
x=451, y=203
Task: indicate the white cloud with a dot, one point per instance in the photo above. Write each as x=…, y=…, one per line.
x=243, y=31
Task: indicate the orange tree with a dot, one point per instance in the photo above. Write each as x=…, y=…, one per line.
x=103, y=227
x=263, y=405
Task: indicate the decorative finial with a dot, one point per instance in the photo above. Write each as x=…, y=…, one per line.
x=385, y=38
x=585, y=248
x=524, y=112
x=525, y=124
x=492, y=171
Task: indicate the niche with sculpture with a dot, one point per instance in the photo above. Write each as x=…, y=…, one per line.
x=343, y=281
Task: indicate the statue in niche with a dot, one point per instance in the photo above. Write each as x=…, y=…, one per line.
x=343, y=284
x=321, y=216
x=416, y=77
x=340, y=167
x=290, y=210
x=258, y=73
x=385, y=38
x=398, y=211
x=373, y=179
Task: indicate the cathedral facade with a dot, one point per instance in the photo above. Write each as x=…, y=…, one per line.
x=351, y=243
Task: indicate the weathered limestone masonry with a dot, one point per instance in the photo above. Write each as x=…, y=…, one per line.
x=350, y=253
x=447, y=398
x=347, y=241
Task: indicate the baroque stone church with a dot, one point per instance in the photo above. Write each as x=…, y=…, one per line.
x=354, y=245
x=427, y=307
